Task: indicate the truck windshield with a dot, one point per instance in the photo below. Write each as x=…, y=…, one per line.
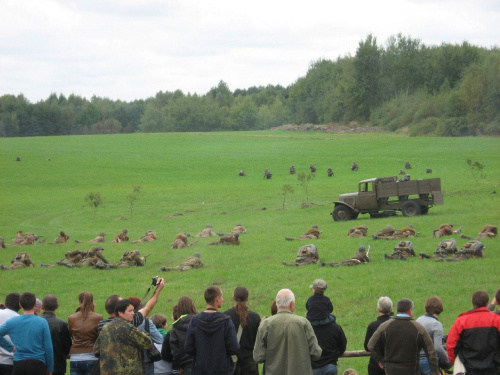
x=365, y=187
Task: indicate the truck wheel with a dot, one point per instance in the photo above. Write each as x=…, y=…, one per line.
x=342, y=213
x=411, y=208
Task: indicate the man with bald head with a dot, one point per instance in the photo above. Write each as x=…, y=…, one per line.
x=286, y=342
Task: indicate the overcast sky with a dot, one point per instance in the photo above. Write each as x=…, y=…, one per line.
x=131, y=49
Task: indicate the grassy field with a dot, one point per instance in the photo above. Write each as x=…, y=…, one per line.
x=191, y=180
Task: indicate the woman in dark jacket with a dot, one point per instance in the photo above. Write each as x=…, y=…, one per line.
x=180, y=359
x=249, y=322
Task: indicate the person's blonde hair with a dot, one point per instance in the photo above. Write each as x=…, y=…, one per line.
x=350, y=371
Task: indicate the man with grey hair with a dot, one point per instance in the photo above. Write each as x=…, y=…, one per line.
x=396, y=344
x=384, y=308
x=286, y=342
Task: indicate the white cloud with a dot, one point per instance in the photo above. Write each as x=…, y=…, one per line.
x=132, y=49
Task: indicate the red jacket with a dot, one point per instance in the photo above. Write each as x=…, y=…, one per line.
x=475, y=336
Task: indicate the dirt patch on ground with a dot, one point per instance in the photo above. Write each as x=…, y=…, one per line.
x=352, y=127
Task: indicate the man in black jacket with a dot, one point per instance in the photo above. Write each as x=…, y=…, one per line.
x=59, y=332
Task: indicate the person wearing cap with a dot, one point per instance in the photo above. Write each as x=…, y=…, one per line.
x=319, y=307
x=191, y=262
x=93, y=257
x=121, y=237
x=361, y=257
x=207, y=232
x=312, y=234
x=286, y=342
x=181, y=241
x=402, y=250
x=384, y=308
x=330, y=336
x=292, y=169
x=130, y=259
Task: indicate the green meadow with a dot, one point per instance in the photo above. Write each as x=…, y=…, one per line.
x=189, y=180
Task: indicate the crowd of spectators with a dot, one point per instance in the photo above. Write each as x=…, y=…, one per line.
x=237, y=340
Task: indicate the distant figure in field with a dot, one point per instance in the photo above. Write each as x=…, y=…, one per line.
x=312, y=234
x=242, y=173
x=207, y=232
x=402, y=250
x=292, y=169
x=83, y=258
x=130, y=259
x=20, y=260
x=312, y=168
x=488, y=231
x=402, y=172
x=445, y=248
x=428, y=170
x=18, y=159
x=149, y=236
x=443, y=230
x=407, y=165
x=358, y=231
x=330, y=172
x=233, y=239
x=181, y=241
x=354, y=166
x=121, y=237
x=191, y=262
x=25, y=239
x=267, y=174
x=2, y=243
x=361, y=257
x=99, y=239
x=62, y=238
x=472, y=249
x=238, y=229
x=307, y=254
x=385, y=232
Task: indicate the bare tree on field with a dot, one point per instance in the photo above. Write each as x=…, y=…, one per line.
x=94, y=200
x=132, y=197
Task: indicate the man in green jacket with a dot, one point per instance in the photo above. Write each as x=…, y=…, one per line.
x=286, y=342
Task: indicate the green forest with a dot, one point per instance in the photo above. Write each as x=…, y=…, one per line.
x=402, y=85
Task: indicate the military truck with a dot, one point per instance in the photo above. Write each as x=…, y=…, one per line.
x=385, y=196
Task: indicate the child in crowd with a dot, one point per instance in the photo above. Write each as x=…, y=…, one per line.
x=319, y=307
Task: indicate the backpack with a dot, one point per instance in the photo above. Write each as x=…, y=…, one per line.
x=405, y=246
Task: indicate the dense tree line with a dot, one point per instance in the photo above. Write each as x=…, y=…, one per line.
x=450, y=90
